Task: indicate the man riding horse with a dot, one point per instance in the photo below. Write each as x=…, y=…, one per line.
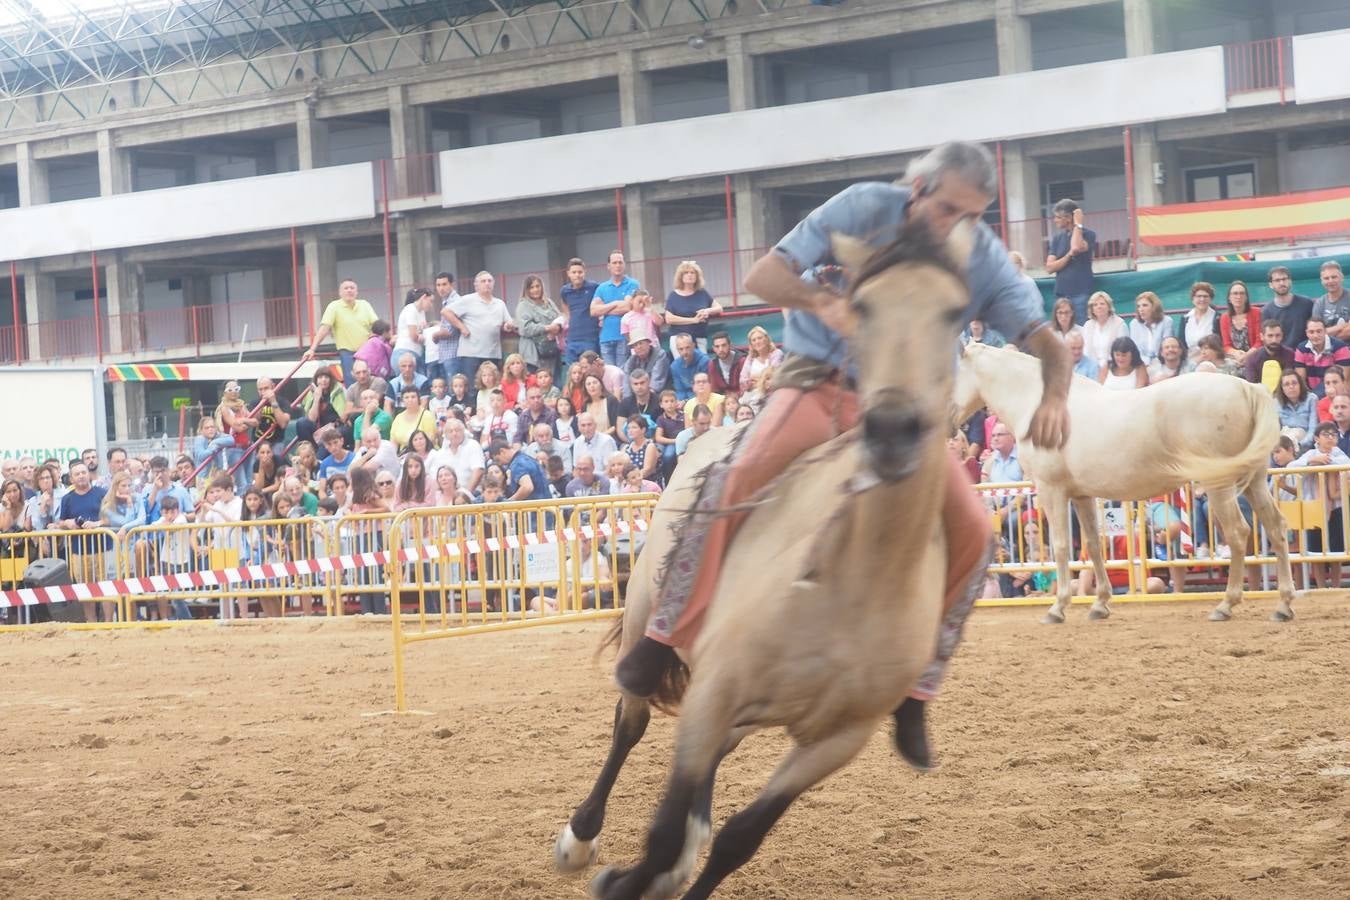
x=814, y=399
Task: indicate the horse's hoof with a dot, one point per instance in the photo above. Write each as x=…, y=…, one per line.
x=602, y=882
x=697, y=836
x=1219, y=615
x=1051, y=618
x=1096, y=614
x=1281, y=615
x=572, y=855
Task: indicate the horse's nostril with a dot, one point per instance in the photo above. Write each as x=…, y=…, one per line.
x=892, y=425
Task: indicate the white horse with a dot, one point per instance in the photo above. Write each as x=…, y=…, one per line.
x=1213, y=429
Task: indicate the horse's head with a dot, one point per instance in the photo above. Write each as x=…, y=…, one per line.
x=907, y=301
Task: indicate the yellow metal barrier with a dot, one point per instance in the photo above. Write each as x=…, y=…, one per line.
x=493, y=567
x=91, y=553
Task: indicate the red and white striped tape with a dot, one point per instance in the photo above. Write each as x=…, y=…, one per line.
x=95, y=590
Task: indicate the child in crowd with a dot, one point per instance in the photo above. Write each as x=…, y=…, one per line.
x=173, y=555
x=1327, y=488
x=376, y=350
x=668, y=426
x=440, y=402
x=641, y=318
x=544, y=379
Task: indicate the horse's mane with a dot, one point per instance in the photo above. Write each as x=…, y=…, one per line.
x=914, y=244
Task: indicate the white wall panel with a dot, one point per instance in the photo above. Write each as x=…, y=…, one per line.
x=335, y=194
x=1320, y=71
x=1144, y=89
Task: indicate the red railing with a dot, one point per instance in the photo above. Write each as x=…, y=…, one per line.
x=1263, y=65
x=1031, y=237
x=10, y=352
x=414, y=176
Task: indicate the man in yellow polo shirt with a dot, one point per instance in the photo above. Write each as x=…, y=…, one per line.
x=348, y=320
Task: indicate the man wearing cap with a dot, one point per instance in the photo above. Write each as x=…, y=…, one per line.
x=647, y=355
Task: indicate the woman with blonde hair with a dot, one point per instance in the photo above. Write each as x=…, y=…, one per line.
x=760, y=355
x=539, y=320
x=1061, y=319
x=514, y=380
x=1150, y=326
x=1102, y=328
x=689, y=305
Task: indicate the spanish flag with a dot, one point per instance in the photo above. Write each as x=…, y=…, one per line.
x=1303, y=214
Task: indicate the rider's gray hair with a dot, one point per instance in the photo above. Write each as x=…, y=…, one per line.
x=972, y=163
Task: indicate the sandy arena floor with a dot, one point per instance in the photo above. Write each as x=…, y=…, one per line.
x=1154, y=756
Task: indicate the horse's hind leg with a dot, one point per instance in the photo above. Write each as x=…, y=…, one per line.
x=1087, y=523
x=1223, y=505
x=1268, y=514
x=576, y=847
x=742, y=834
x=1056, y=507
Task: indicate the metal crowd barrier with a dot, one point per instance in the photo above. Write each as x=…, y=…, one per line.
x=471, y=569
x=91, y=554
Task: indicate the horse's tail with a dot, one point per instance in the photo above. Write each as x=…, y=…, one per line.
x=1250, y=462
x=674, y=680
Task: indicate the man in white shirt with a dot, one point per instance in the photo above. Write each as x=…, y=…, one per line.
x=593, y=442
x=376, y=454
x=462, y=455
x=485, y=317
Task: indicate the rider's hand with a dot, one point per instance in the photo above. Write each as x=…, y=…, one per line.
x=1049, y=427
x=835, y=312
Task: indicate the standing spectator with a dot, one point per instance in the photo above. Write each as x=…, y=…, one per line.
x=325, y=404
x=612, y=299
x=1150, y=326
x=643, y=402
x=121, y=509
x=641, y=318
x=725, y=366
x=234, y=420
x=1298, y=409
x=688, y=361
x=1126, y=370
x=1318, y=353
x=412, y=323
x=668, y=427
x=1070, y=257
x=378, y=351
x=760, y=356
x=534, y=413
x=1082, y=363
x=1171, y=361
x=1102, y=328
x=348, y=320
x=1061, y=320
x=1326, y=451
x=42, y=509
x=592, y=441
x=462, y=455
x=116, y=457
x=583, y=328
x=1291, y=310
x=209, y=444
x=485, y=317
x=689, y=306
x=525, y=477
x=1200, y=319
x=1239, y=324
x=1000, y=462
x=703, y=397
x=646, y=354
x=1333, y=307
x=447, y=330
x=1265, y=364
x=539, y=321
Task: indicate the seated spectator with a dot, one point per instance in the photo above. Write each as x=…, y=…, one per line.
x=375, y=455
x=1239, y=324
x=161, y=487
x=1265, y=365
x=959, y=446
x=703, y=396
x=340, y=492
x=1062, y=322
x=641, y=319
x=1298, y=409
x=1150, y=325
x=1171, y=361
x=462, y=396
x=634, y=483
x=592, y=441
x=1000, y=463
x=1031, y=583
x=438, y=404
x=1086, y=583
x=1126, y=370
x=372, y=414
x=615, y=466
x=448, y=491
x=515, y=378
x=544, y=379
x=406, y=379
x=585, y=482
x=1318, y=353
x=611, y=376
x=689, y=306
x=525, y=477
x=730, y=406
x=339, y=458
x=1213, y=358
x=977, y=333
x=299, y=498
x=1325, y=452
x=642, y=402
x=700, y=422
x=1333, y=385
x=565, y=425
x=1199, y=320
x=462, y=455
x=535, y=413
x=687, y=363
x=324, y=404
x=362, y=381
x=421, y=444
x=266, y=471
x=413, y=417
x=761, y=356
x=646, y=356
x=1082, y=364
x=501, y=423
x=413, y=490
x=1102, y=328
x=544, y=444
x=494, y=487
x=387, y=487
x=574, y=389
x=377, y=350
x=487, y=380
x=725, y=366
x=744, y=414
x=558, y=477
x=759, y=392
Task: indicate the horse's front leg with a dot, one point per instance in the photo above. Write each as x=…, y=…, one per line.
x=577, y=845
x=1087, y=524
x=1223, y=506
x=1056, y=507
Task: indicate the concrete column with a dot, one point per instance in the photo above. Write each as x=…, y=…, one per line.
x=744, y=76
x=469, y=261
x=643, y=219
x=416, y=256
x=407, y=125
x=39, y=299
x=635, y=91
x=752, y=221
x=321, y=260
x=561, y=248
x=1013, y=34
x=1140, y=35
x=311, y=134
x=1174, y=183
x=1022, y=185
x=126, y=328
x=1147, y=155
x=114, y=166
x=33, y=184
x=128, y=411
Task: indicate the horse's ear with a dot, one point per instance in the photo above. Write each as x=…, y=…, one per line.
x=850, y=252
x=960, y=243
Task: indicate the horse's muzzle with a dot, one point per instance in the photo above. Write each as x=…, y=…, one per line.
x=891, y=437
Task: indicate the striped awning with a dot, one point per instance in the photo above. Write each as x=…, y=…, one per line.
x=161, y=372
x=1302, y=214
